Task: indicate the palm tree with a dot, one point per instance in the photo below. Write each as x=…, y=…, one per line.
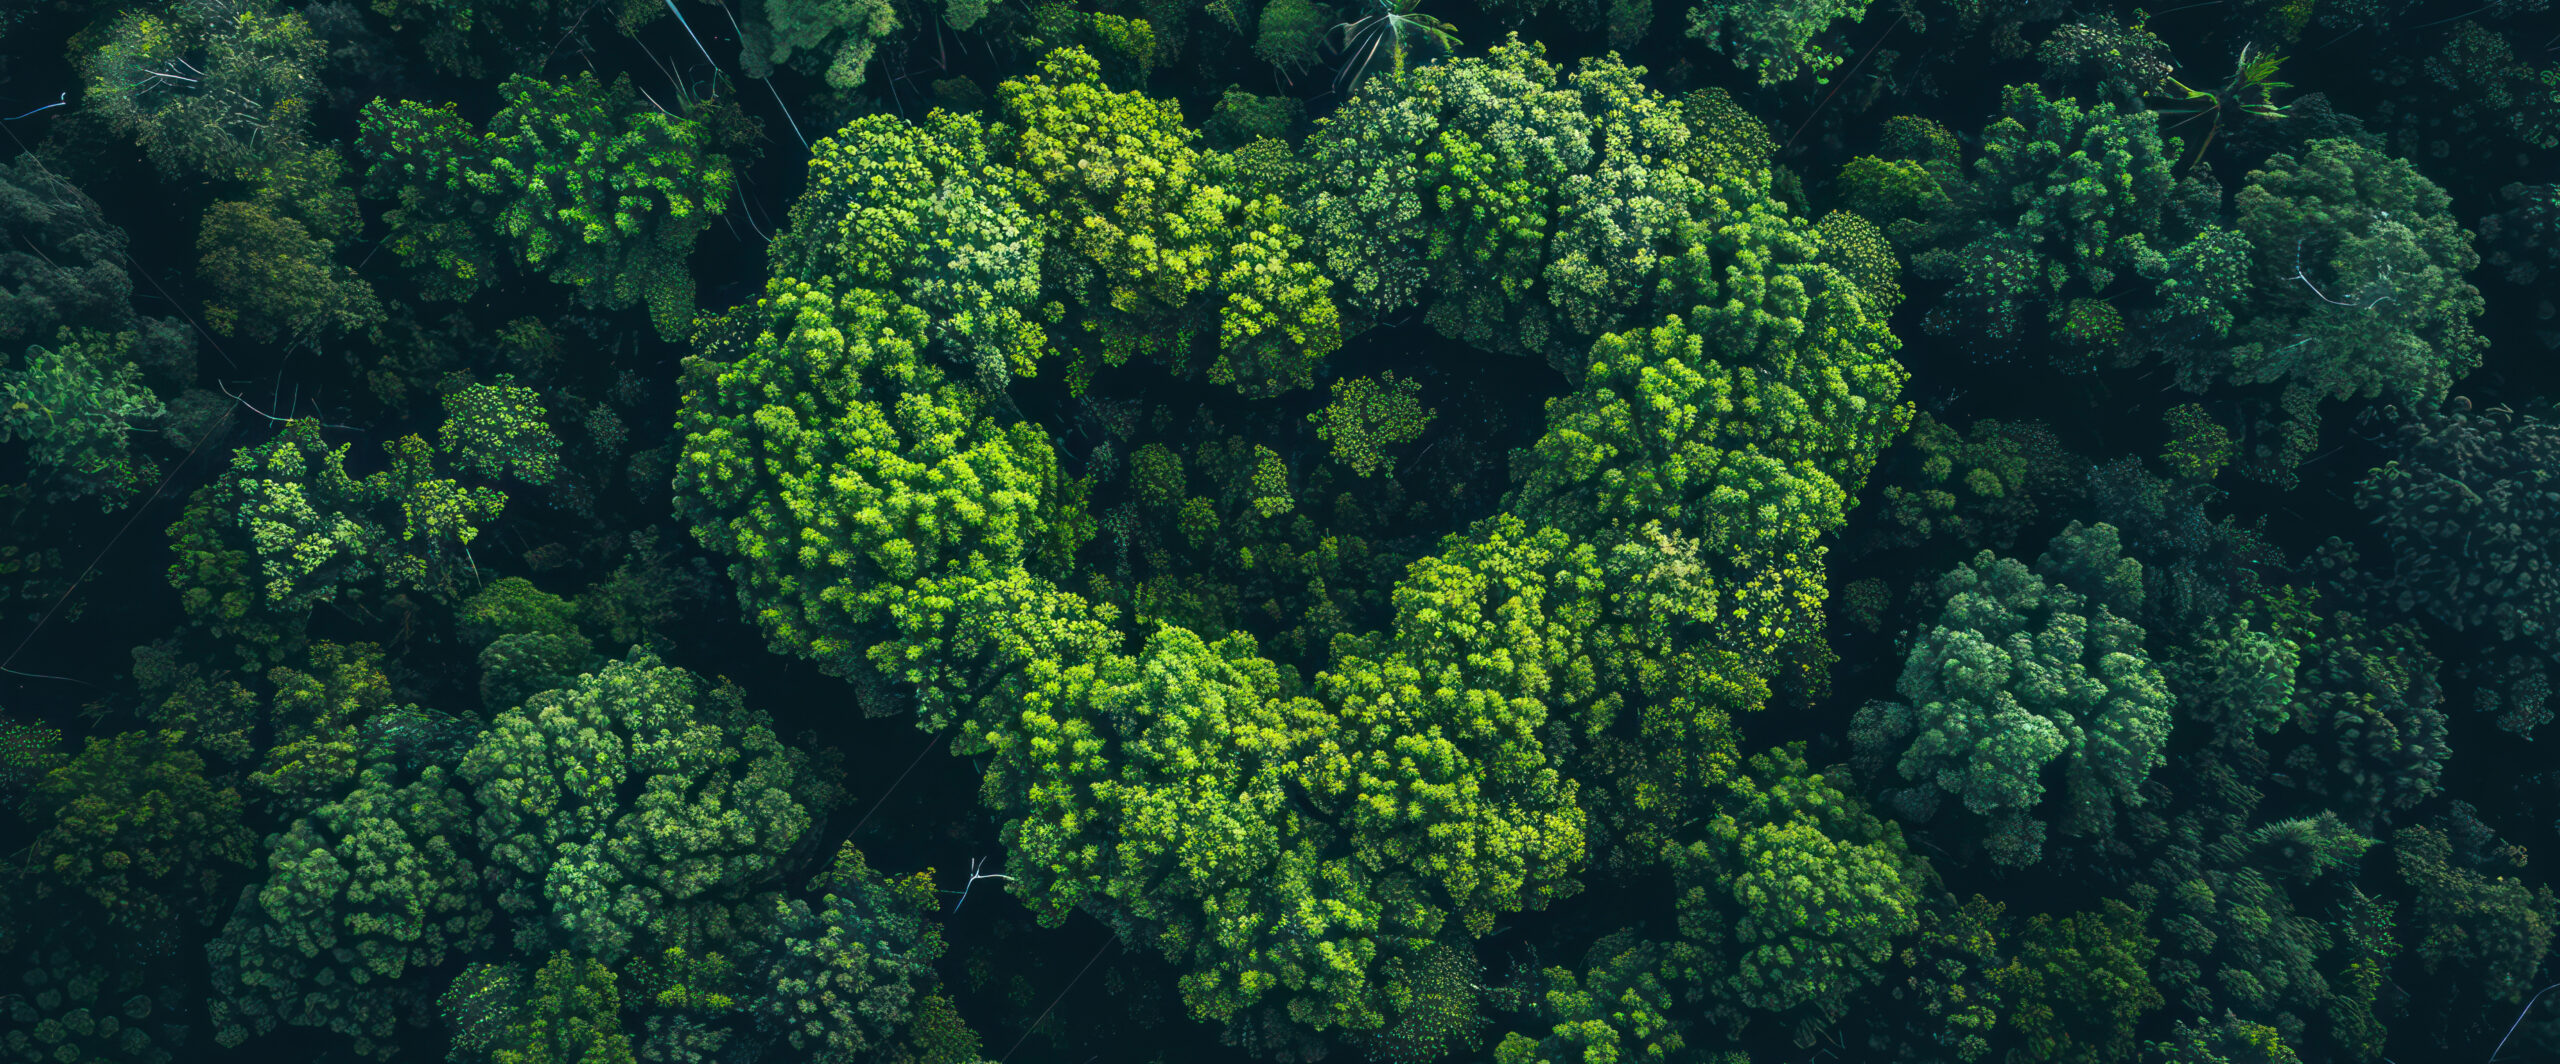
x=1385, y=31
x=2251, y=91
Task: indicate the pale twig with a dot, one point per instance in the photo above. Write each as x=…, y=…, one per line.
x=62, y=102
x=252, y=408
x=975, y=863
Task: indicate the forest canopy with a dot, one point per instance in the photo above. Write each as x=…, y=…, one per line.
x=937, y=532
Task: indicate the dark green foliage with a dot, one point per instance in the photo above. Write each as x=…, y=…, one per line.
x=2198, y=445
x=500, y=429
x=206, y=86
x=271, y=259
x=2356, y=290
x=2459, y=505
x=478, y=38
x=1290, y=32
x=28, y=750
x=314, y=719
x=2063, y=203
x=690, y=1004
x=1945, y=972
x=678, y=807
x=1978, y=489
x=2079, y=984
x=649, y=594
x=365, y=889
x=843, y=981
x=2124, y=63
x=2500, y=91
x=1366, y=529
x=62, y=1010
x=2522, y=244
x=584, y=182
x=1795, y=893
x=1243, y=117
x=514, y=606
x=2018, y=673
x=2463, y=504
x=2524, y=239
x=132, y=825
x=477, y=1005
x=833, y=38
x=1622, y=1008
x=74, y=406
x=2371, y=736
x=571, y=1014
x=1441, y=1010
x=66, y=269
x=1773, y=40
x=2231, y=1041
x=923, y=213
x=287, y=528
x=2493, y=929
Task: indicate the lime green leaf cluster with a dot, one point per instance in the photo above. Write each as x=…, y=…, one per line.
x=1306, y=852
x=1541, y=209
x=1369, y=415
x=287, y=528
x=1158, y=260
x=925, y=213
x=837, y=466
x=1759, y=455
